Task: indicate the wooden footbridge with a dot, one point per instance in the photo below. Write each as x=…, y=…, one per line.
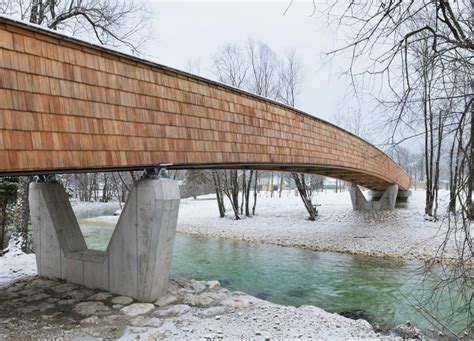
x=69, y=106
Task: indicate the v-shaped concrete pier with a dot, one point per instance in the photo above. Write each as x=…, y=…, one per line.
x=138, y=257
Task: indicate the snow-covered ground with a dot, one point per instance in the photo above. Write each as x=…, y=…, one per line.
x=403, y=232
x=16, y=264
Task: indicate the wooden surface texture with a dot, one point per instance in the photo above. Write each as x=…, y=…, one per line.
x=68, y=105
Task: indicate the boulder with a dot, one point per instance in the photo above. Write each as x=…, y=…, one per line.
x=136, y=309
x=166, y=300
x=91, y=308
x=123, y=300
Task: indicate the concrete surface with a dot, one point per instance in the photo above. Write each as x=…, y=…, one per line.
x=386, y=202
x=137, y=260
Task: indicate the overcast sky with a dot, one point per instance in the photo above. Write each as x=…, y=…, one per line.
x=192, y=32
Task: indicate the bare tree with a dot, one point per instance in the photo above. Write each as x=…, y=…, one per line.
x=263, y=78
x=110, y=22
x=423, y=52
x=231, y=66
x=290, y=81
x=216, y=178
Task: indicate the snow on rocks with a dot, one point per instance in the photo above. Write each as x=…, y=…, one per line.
x=136, y=309
x=190, y=310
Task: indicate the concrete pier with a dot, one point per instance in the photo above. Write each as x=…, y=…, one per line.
x=385, y=202
x=137, y=260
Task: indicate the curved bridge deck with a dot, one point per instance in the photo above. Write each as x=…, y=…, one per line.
x=66, y=105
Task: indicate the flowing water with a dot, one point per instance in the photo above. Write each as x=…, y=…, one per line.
x=377, y=290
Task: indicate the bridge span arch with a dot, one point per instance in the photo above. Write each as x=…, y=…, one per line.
x=67, y=105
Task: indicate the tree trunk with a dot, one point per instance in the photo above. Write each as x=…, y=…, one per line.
x=21, y=216
x=471, y=162
x=104, y=190
x=304, y=194
x=255, y=193
x=271, y=187
x=244, y=186
x=218, y=188
x=233, y=193
x=3, y=220
x=280, y=189
x=247, y=194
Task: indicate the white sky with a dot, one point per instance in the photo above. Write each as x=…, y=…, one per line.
x=192, y=32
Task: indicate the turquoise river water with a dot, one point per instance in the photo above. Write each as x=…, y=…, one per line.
x=378, y=290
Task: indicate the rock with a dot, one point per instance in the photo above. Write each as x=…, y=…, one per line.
x=142, y=321
x=114, y=319
x=29, y=308
x=407, y=331
x=62, y=288
x=91, y=308
x=213, y=284
x=16, y=287
x=28, y=292
x=36, y=297
x=69, y=301
x=213, y=311
x=174, y=310
x=41, y=283
x=77, y=294
x=202, y=300
x=117, y=306
x=8, y=295
x=216, y=295
x=236, y=302
x=90, y=320
x=173, y=288
x=42, y=307
x=100, y=296
x=198, y=286
x=123, y=300
x=136, y=309
x=52, y=300
x=166, y=300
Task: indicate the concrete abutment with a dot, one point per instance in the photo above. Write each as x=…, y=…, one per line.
x=380, y=200
x=137, y=260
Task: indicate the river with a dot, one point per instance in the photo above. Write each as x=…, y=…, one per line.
x=378, y=290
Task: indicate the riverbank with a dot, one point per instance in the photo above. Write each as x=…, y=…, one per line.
x=400, y=234
x=403, y=233
x=41, y=308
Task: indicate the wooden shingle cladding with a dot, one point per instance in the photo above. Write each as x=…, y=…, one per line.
x=68, y=105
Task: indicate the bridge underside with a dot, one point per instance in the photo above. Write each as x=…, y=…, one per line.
x=349, y=175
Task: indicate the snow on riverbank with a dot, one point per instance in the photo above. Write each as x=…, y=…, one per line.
x=402, y=232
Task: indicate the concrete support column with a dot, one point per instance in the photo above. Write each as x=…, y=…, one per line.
x=386, y=202
x=138, y=257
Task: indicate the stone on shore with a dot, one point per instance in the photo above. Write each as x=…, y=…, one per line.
x=136, y=309
x=122, y=300
x=91, y=308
